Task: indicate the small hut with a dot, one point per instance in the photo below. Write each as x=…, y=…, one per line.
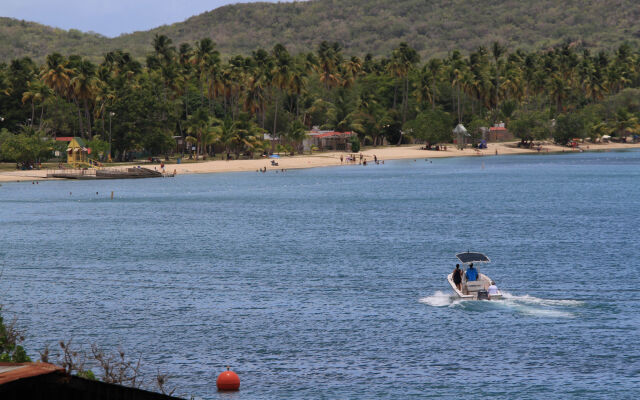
x=499, y=133
x=77, y=152
x=327, y=140
x=462, y=136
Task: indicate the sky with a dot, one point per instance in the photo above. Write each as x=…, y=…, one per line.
x=108, y=17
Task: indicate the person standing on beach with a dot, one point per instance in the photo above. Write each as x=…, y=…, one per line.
x=341, y=159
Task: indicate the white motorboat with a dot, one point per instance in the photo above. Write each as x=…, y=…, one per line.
x=473, y=290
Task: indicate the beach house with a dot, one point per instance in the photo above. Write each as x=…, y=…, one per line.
x=327, y=140
x=498, y=133
x=77, y=151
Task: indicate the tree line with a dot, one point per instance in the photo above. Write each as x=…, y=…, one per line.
x=128, y=107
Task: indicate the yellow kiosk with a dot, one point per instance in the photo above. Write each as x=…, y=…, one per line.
x=77, y=152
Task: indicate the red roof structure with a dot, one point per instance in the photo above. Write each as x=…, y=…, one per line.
x=331, y=134
x=10, y=372
x=64, y=138
x=47, y=381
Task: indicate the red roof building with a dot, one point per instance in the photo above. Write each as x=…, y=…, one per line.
x=499, y=133
x=328, y=140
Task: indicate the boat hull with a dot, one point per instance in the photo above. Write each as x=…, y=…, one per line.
x=486, y=281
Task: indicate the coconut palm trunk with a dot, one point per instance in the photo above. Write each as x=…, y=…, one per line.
x=79, y=118
x=88, y=117
x=275, y=116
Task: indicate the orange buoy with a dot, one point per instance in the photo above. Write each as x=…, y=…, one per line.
x=228, y=380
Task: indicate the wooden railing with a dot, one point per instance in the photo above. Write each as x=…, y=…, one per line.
x=72, y=171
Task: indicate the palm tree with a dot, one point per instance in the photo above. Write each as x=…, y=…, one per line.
x=84, y=88
x=162, y=47
x=233, y=137
x=261, y=80
x=209, y=138
x=185, y=54
x=425, y=88
x=281, y=76
x=297, y=85
x=497, y=51
x=206, y=60
x=105, y=97
x=199, y=125
x=558, y=89
x=296, y=133
x=163, y=60
x=512, y=85
x=402, y=61
x=254, y=94
x=37, y=93
x=248, y=138
x=56, y=75
x=5, y=86
x=352, y=69
x=457, y=72
x=590, y=78
x=329, y=60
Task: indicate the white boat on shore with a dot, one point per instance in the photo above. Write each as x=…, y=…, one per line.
x=473, y=290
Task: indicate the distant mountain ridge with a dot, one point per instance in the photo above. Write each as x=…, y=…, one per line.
x=433, y=27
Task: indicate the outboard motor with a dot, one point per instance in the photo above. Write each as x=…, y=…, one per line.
x=483, y=295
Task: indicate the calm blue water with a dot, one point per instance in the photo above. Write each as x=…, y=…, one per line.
x=330, y=282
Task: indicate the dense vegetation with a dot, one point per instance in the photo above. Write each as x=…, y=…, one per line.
x=432, y=27
x=226, y=106
x=11, y=339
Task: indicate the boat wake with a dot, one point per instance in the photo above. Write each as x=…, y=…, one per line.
x=538, y=307
x=528, y=305
x=440, y=299
x=545, y=302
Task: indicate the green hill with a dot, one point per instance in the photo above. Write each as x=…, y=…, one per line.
x=433, y=27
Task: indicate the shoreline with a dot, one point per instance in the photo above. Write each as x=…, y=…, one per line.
x=332, y=159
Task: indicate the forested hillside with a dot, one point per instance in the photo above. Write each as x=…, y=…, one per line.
x=432, y=27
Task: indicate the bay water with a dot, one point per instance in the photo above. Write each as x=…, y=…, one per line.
x=330, y=282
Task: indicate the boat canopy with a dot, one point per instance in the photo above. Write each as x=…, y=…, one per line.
x=469, y=257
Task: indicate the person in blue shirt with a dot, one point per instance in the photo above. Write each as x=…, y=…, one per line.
x=472, y=273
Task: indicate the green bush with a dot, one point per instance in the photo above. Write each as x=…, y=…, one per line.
x=10, y=339
x=569, y=126
x=355, y=144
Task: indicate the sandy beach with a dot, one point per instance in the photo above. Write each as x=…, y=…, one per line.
x=327, y=159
